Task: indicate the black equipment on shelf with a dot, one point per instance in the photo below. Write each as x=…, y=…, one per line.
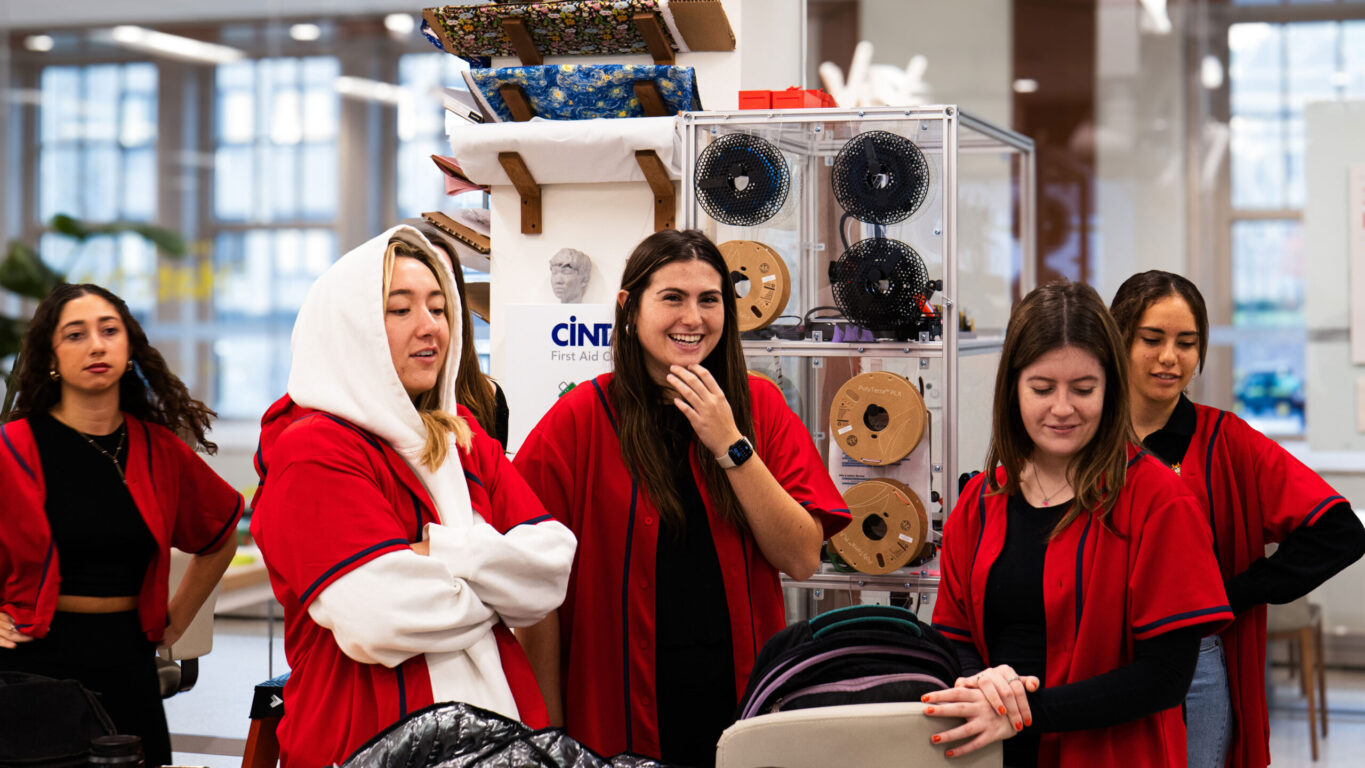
x=880, y=177
x=742, y=179
x=883, y=285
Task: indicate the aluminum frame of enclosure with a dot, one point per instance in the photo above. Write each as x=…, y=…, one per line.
x=960, y=133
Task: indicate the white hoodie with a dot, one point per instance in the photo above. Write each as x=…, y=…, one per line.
x=402, y=603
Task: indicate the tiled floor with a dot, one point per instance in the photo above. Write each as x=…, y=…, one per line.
x=211, y=720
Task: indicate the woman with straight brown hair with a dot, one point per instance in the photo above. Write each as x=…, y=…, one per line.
x=1077, y=573
x=690, y=485
x=1254, y=493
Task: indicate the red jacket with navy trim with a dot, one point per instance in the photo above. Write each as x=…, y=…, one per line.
x=572, y=459
x=183, y=502
x=334, y=498
x=1256, y=494
x=1147, y=570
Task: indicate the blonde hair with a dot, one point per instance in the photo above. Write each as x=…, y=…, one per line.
x=441, y=426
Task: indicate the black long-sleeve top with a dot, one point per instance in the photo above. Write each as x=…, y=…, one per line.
x=1016, y=634
x=1305, y=559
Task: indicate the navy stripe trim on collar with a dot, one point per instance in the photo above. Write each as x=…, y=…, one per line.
x=1136, y=457
x=534, y=520
x=366, y=435
x=4, y=432
x=473, y=477
x=947, y=630
x=981, y=527
x=402, y=692
x=1208, y=478
x=1080, y=571
x=1326, y=503
x=147, y=438
x=625, y=605
x=602, y=396
x=231, y=523
x=417, y=515
x=391, y=543
x=1181, y=617
x=260, y=460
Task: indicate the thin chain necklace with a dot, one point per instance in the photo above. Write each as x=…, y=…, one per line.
x=123, y=434
x=1047, y=497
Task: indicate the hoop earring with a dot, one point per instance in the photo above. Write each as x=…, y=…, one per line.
x=52, y=374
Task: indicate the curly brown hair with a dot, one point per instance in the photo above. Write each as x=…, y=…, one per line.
x=149, y=392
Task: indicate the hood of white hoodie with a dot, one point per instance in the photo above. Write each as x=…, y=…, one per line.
x=341, y=360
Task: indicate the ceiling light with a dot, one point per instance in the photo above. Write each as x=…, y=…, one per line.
x=173, y=46
x=1025, y=85
x=305, y=33
x=369, y=90
x=400, y=23
x=39, y=43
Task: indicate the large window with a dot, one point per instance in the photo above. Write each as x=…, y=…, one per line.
x=1274, y=69
x=97, y=144
x=275, y=204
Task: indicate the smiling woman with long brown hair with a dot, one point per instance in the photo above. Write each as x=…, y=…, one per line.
x=690, y=485
x=98, y=487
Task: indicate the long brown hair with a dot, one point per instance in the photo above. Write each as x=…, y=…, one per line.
x=473, y=388
x=440, y=425
x=150, y=392
x=637, y=397
x=1147, y=288
x=1048, y=318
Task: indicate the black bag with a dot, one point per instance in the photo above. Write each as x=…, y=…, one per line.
x=47, y=722
x=459, y=735
x=863, y=654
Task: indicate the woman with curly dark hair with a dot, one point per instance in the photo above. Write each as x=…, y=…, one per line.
x=98, y=488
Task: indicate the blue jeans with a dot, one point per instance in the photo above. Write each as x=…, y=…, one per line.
x=1208, y=708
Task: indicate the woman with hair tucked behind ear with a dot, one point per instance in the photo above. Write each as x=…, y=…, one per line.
x=690, y=485
x=399, y=539
x=1254, y=492
x=1078, y=574
x=97, y=488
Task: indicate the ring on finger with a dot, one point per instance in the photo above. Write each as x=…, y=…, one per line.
x=1013, y=680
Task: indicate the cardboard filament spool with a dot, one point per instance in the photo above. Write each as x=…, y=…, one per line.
x=769, y=283
x=877, y=418
x=889, y=526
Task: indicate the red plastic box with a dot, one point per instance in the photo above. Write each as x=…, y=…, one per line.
x=792, y=98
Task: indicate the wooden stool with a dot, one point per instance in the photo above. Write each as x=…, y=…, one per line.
x=1300, y=624
x=267, y=706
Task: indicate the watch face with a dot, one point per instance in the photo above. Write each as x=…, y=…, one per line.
x=740, y=452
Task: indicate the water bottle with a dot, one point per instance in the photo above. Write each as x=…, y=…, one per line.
x=121, y=750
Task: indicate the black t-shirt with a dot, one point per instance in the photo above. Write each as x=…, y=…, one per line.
x=695, y=667
x=103, y=545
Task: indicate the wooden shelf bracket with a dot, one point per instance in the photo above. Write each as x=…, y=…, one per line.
x=665, y=200
x=515, y=98
x=647, y=24
x=527, y=187
x=523, y=43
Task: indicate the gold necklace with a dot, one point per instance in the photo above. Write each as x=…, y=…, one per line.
x=1047, y=497
x=123, y=433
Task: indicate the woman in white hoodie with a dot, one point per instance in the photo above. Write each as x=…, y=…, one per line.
x=400, y=541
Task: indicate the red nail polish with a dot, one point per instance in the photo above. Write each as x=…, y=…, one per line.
x=924, y=698
x=949, y=753
x=1002, y=710
x=937, y=738
x=1018, y=726
x=928, y=710
x=1028, y=721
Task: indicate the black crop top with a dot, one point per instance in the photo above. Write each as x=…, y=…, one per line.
x=103, y=545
